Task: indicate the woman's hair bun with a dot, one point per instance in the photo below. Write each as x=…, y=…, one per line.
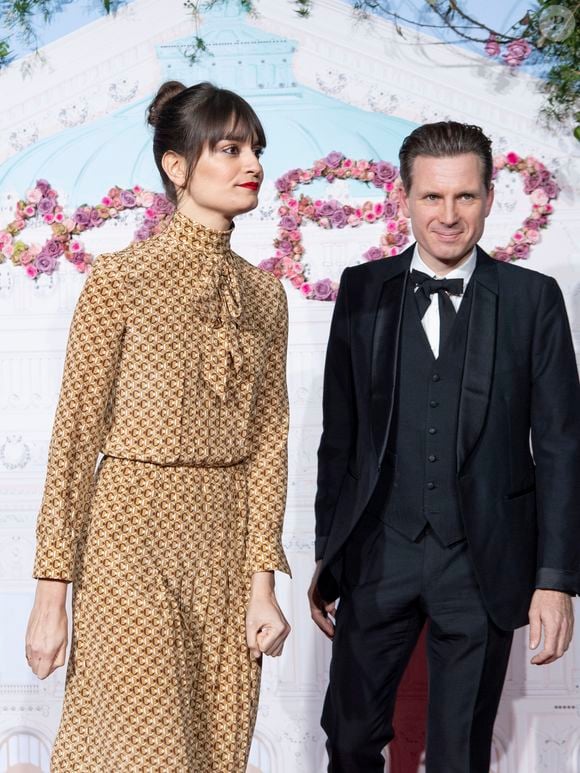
x=166, y=92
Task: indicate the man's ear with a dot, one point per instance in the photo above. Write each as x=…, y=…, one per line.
x=489, y=200
x=404, y=202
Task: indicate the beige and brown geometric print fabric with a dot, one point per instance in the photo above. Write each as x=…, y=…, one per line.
x=176, y=372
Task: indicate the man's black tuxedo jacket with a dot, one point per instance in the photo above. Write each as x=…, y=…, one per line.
x=520, y=505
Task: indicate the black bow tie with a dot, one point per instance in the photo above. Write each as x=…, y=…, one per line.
x=426, y=286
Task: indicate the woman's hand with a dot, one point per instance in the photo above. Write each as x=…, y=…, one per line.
x=47, y=632
x=266, y=626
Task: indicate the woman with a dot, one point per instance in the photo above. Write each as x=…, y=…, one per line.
x=175, y=371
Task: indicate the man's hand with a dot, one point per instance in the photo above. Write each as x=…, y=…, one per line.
x=552, y=610
x=320, y=611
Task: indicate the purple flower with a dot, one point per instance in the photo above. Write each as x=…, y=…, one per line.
x=82, y=216
x=45, y=263
x=322, y=290
x=269, y=264
x=78, y=257
x=142, y=233
x=531, y=182
x=52, y=249
x=522, y=250
x=373, y=253
x=327, y=208
x=543, y=221
x=46, y=205
x=128, y=199
x=95, y=218
x=288, y=223
x=551, y=189
x=338, y=219
x=283, y=184
x=44, y=186
x=384, y=173
x=162, y=205
x=400, y=239
x=333, y=159
x=391, y=209
x=285, y=247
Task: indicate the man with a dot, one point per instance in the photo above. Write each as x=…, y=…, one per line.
x=441, y=364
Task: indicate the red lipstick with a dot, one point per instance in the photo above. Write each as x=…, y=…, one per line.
x=251, y=186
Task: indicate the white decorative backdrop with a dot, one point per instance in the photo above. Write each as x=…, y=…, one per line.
x=320, y=85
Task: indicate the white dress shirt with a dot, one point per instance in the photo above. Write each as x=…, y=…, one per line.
x=430, y=319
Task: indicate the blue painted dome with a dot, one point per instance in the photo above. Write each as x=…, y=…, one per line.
x=301, y=125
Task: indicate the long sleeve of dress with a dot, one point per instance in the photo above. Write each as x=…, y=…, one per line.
x=268, y=466
x=81, y=419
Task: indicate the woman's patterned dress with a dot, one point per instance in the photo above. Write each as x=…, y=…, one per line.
x=175, y=371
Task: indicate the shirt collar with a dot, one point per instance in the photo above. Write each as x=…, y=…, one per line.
x=464, y=271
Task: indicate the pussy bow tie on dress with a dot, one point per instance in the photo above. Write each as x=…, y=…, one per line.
x=217, y=300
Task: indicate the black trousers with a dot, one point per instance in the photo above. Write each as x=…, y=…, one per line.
x=391, y=586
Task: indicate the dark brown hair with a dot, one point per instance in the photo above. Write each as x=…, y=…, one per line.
x=186, y=120
x=445, y=138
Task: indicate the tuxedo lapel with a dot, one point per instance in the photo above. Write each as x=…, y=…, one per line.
x=385, y=348
x=479, y=357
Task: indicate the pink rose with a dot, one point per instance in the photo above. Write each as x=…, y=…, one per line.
x=379, y=209
x=107, y=201
x=517, y=52
x=146, y=199
x=31, y=270
x=29, y=211
x=34, y=195
x=297, y=281
x=512, y=158
x=392, y=226
x=539, y=196
x=533, y=236
x=48, y=219
x=306, y=289
x=518, y=236
x=370, y=217
x=492, y=47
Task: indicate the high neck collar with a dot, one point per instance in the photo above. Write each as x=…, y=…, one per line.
x=198, y=236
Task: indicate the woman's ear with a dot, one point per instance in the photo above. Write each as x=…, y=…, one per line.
x=175, y=167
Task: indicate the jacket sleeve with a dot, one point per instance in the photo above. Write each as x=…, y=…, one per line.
x=268, y=465
x=555, y=425
x=79, y=426
x=338, y=420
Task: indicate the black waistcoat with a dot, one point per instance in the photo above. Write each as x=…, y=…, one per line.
x=418, y=480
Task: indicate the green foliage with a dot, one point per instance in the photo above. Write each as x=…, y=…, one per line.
x=551, y=27
x=18, y=17
x=555, y=38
